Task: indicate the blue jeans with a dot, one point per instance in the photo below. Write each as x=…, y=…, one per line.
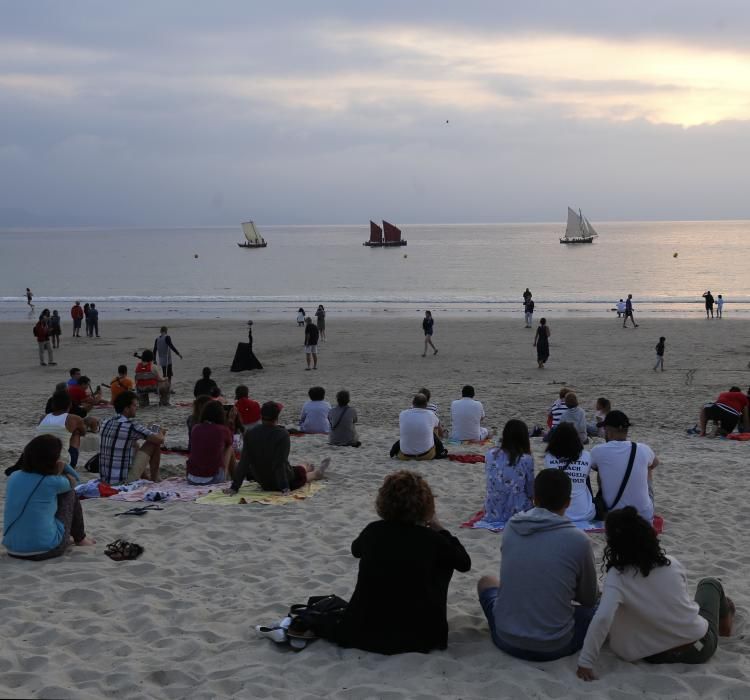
x=581, y=620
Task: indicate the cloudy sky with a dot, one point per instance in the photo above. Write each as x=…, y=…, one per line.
x=165, y=112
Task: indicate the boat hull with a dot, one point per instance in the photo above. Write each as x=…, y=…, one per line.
x=252, y=245
x=589, y=239
x=389, y=244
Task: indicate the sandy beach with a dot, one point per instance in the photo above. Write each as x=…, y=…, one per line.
x=178, y=622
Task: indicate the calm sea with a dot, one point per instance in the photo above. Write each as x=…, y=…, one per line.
x=452, y=269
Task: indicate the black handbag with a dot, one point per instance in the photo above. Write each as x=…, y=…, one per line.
x=599, y=503
x=319, y=618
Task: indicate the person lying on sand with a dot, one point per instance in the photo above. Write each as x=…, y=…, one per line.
x=265, y=457
x=645, y=608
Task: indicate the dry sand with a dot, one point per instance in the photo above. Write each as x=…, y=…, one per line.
x=179, y=621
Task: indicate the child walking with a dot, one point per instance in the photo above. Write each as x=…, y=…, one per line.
x=660, y=354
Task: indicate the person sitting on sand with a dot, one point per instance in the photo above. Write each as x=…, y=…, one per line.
x=75, y=375
x=247, y=409
x=728, y=410
x=645, y=609
x=547, y=564
x=211, y=459
x=42, y=511
x=611, y=461
x=314, y=415
x=148, y=380
x=407, y=560
x=574, y=414
x=466, y=417
x=417, y=426
x=565, y=451
x=343, y=418
x=195, y=415
x=205, y=384
x=557, y=409
x=120, y=458
x=602, y=408
x=265, y=457
x=82, y=397
x=67, y=426
x=121, y=382
x=509, y=471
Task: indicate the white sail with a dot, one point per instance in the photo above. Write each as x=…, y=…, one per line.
x=579, y=226
x=251, y=233
x=590, y=230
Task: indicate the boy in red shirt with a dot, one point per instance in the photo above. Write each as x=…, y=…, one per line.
x=247, y=409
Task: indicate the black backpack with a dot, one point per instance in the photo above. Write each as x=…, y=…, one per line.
x=319, y=618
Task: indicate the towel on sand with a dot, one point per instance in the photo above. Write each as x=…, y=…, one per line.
x=467, y=458
x=486, y=441
x=175, y=488
x=478, y=522
x=252, y=493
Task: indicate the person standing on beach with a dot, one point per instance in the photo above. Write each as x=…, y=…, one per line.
x=163, y=352
x=526, y=296
x=86, y=311
x=629, y=312
x=76, y=313
x=94, y=320
x=709, y=303
x=311, y=343
x=320, y=316
x=29, y=297
x=300, y=317
x=621, y=308
x=427, y=324
x=719, y=306
x=54, y=329
x=660, y=354
x=528, y=310
x=541, y=342
x=42, y=335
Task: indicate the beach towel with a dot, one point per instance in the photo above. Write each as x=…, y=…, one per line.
x=175, y=488
x=477, y=522
x=467, y=458
x=252, y=493
x=742, y=437
x=486, y=441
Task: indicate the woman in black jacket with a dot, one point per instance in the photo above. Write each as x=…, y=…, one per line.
x=407, y=560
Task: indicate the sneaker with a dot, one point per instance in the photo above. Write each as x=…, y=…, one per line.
x=275, y=634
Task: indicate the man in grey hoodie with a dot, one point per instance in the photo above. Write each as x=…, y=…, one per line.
x=547, y=564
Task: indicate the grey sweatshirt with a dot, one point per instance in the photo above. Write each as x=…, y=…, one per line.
x=547, y=562
x=576, y=416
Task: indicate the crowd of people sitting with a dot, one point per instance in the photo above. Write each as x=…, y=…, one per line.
x=547, y=605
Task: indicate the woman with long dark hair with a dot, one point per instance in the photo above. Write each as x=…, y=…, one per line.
x=510, y=474
x=565, y=451
x=645, y=607
x=541, y=342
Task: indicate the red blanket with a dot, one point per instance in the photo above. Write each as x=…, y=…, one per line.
x=466, y=458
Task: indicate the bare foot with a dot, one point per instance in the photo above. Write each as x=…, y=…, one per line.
x=725, y=623
x=86, y=542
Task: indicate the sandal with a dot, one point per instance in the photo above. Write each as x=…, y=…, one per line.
x=141, y=510
x=120, y=550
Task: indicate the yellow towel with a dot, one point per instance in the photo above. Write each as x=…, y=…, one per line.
x=252, y=493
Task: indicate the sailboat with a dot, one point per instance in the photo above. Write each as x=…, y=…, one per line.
x=254, y=239
x=389, y=236
x=376, y=235
x=579, y=229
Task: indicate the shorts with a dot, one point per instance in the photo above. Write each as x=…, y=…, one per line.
x=299, y=479
x=727, y=419
x=218, y=478
x=428, y=334
x=77, y=323
x=311, y=349
x=166, y=371
x=430, y=454
x=581, y=621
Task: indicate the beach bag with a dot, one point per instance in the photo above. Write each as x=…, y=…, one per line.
x=599, y=503
x=318, y=618
x=92, y=465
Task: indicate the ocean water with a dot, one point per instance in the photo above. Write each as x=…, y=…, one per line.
x=452, y=269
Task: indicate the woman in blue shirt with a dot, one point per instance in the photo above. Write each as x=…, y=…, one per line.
x=42, y=511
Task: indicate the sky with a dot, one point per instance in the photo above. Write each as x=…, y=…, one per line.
x=169, y=113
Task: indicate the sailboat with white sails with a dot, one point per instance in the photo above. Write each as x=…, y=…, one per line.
x=579, y=229
x=252, y=238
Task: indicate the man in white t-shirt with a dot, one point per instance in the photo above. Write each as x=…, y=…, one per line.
x=466, y=417
x=611, y=461
x=416, y=431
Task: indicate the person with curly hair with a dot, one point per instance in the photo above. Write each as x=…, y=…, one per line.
x=406, y=563
x=645, y=608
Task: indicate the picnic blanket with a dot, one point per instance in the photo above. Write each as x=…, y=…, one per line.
x=486, y=441
x=252, y=493
x=478, y=522
x=467, y=458
x=175, y=488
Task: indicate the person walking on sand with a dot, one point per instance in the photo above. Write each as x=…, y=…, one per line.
x=311, y=343
x=719, y=306
x=541, y=342
x=660, y=354
x=427, y=325
x=76, y=313
x=320, y=316
x=54, y=329
x=528, y=311
x=163, y=348
x=709, y=303
x=629, y=312
x=42, y=335
x=29, y=297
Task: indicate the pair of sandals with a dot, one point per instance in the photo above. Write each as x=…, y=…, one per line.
x=141, y=510
x=120, y=550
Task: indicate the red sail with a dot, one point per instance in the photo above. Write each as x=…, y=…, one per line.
x=376, y=233
x=392, y=234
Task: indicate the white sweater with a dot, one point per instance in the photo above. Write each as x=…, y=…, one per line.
x=643, y=615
